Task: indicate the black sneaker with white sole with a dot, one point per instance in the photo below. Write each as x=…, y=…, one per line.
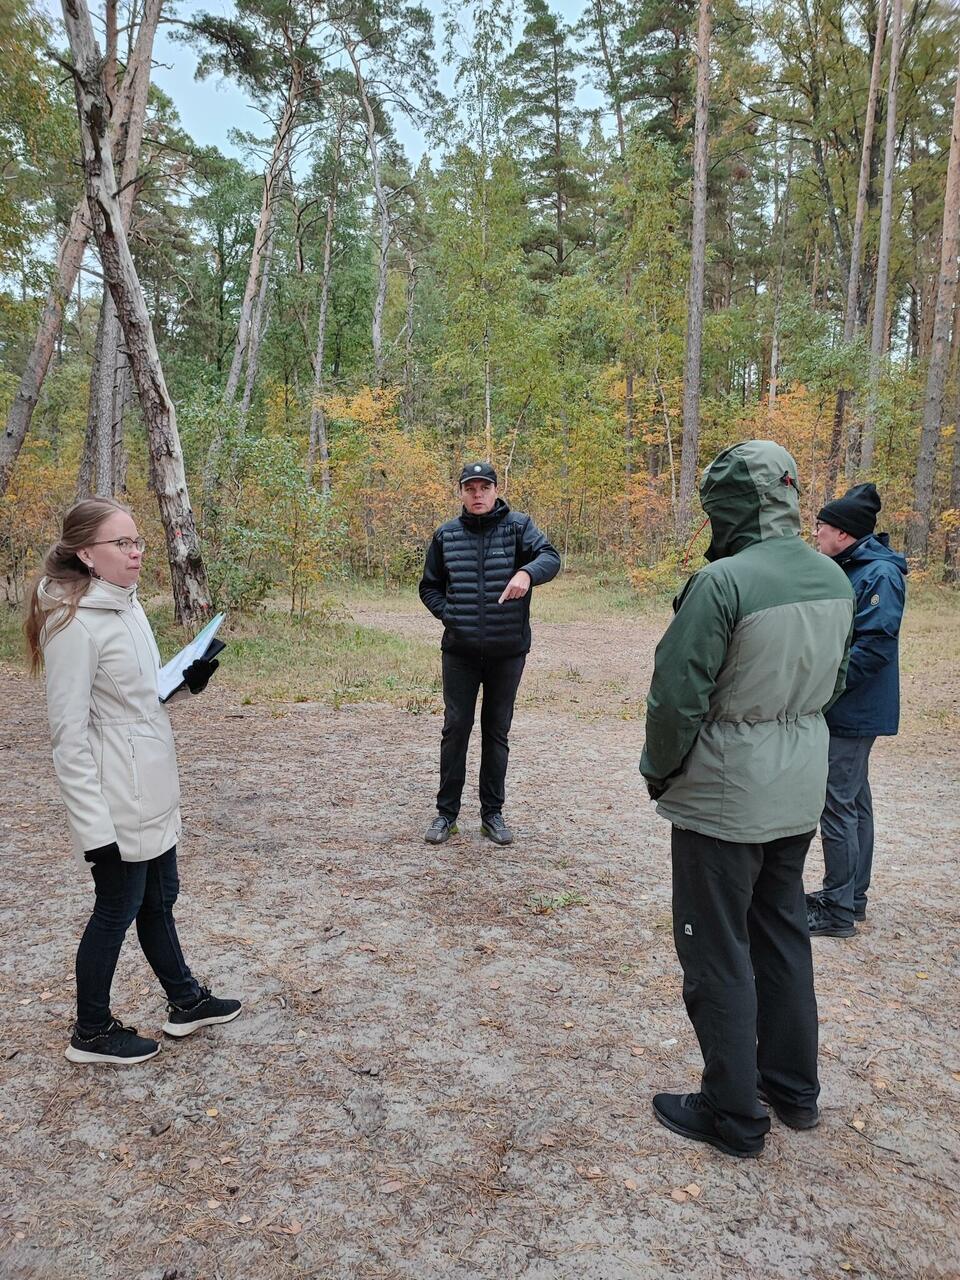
x=115, y=1044
x=207, y=1011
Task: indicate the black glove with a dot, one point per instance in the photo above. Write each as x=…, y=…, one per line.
x=106, y=853
x=197, y=675
x=654, y=791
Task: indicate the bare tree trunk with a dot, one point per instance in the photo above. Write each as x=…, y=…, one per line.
x=318, y=420
x=691, y=371
x=877, y=343
x=412, y=272
x=191, y=596
x=258, y=326
x=279, y=159
x=778, y=296
x=69, y=257
x=918, y=527
x=856, y=241
x=381, y=195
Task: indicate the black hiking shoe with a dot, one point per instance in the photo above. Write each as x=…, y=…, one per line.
x=495, y=829
x=114, y=1044
x=206, y=1011
x=792, y=1117
x=690, y=1115
x=822, y=925
x=860, y=914
x=440, y=829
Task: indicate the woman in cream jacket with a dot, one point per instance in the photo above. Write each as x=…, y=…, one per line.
x=115, y=760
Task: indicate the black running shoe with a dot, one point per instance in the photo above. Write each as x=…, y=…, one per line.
x=692, y=1117
x=495, y=829
x=793, y=1117
x=115, y=1044
x=440, y=829
x=822, y=925
x=206, y=1011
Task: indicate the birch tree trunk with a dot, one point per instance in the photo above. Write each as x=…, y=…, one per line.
x=190, y=592
x=318, y=419
x=918, y=527
x=69, y=257
x=878, y=344
x=279, y=158
x=691, y=370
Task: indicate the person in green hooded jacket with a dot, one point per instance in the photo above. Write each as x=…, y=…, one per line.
x=736, y=759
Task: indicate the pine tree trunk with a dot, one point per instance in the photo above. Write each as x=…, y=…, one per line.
x=691, y=371
x=384, y=212
x=272, y=180
x=258, y=325
x=318, y=421
x=856, y=240
x=69, y=257
x=191, y=596
x=918, y=527
x=877, y=341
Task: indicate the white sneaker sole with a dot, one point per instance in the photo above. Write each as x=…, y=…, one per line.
x=181, y=1029
x=84, y=1057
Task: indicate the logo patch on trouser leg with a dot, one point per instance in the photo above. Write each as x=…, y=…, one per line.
x=688, y=930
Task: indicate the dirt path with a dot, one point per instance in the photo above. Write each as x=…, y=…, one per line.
x=431, y=1079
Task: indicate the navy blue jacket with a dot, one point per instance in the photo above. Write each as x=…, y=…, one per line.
x=469, y=562
x=870, y=706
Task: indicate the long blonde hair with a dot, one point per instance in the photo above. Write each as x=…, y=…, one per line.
x=62, y=565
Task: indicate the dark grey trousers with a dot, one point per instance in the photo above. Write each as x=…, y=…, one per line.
x=740, y=927
x=846, y=829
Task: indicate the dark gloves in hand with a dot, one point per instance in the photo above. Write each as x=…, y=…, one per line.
x=197, y=675
x=655, y=791
x=106, y=853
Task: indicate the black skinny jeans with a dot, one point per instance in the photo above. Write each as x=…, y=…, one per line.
x=128, y=891
x=462, y=678
x=740, y=928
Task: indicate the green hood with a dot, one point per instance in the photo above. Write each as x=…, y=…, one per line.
x=750, y=492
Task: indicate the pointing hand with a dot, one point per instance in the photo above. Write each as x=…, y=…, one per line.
x=517, y=587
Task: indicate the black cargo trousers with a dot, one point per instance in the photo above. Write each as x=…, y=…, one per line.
x=740, y=928
x=463, y=677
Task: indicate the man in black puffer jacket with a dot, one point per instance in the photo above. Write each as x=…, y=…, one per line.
x=477, y=579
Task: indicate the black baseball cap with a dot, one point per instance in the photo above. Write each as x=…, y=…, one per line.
x=478, y=471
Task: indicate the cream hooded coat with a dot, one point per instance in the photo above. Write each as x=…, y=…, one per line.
x=113, y=748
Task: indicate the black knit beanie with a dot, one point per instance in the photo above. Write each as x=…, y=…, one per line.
x=855, y=513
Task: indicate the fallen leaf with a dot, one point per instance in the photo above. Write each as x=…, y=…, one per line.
x=212, y=1111
x=567, y=1026
x=880, y=1084
x=956, y=1075
x=694, y=1190
x=494, y=986
x=548, y=1141
x=630, y=1184
x=388, y=1188
x=846, y=1266
x=228, y=1160
x=295, y=1227
x=29, y=1000
x=921, y=974
x=679, y=1195
x=46, y=995
x=858, y=1124
x=245, y=1219
x=590, y=1172
x=213, y=1204
x=366, y=946
x=638, y=1050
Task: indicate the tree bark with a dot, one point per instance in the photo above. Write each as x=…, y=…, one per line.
x=190, y=592
x=381, y=195
x=691, y=372
x=918, y=527
x=69, y=257
x=778, y=296
x=877, y=341
x=272, y=179
x=258, y=326
x=859, y=217
x=318, y=420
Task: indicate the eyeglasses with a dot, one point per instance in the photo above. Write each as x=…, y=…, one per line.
x=125, y=545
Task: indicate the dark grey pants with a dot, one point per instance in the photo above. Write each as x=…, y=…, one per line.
x=740, y=928
x=846, y=829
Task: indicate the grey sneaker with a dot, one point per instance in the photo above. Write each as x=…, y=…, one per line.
x=115, y=1044
x=440, y=829
x=495, y=829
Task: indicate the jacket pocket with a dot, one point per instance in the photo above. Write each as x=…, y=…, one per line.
x=156, y=784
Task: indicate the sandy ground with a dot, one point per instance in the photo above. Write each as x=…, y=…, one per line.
x=431, y=1078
